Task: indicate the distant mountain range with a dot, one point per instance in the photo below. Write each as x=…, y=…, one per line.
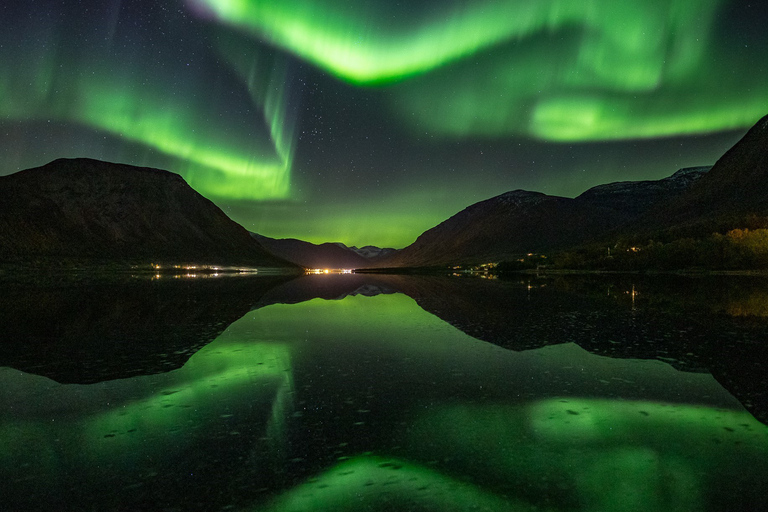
x=323, y=256
x=520, y=222
x=83, y=210
x=503, y=227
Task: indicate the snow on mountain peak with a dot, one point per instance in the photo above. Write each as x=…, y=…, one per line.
x=522, y=197
x=370, y=251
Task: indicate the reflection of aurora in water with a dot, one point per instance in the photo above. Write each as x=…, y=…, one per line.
x=507, y=447
x=373, y=403
x=134, y=431
x=603, y=454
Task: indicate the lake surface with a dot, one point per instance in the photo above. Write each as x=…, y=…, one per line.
x=354, y=392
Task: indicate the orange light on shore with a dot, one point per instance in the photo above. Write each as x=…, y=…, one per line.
x=329, y=271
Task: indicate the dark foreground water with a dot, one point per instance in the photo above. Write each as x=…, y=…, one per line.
x=385, y=393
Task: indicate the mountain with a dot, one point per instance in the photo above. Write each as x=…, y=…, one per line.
x=370, y=251
x=92, y=211
x=694, y=201
x=519, y=222
x=327, y=255
x=634, y=198
x=735, y=188
x=502, y=227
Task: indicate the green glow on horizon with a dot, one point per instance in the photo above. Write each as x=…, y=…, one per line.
x=393, y=221
x=395, y=229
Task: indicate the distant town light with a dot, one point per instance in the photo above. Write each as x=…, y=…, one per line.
x=329, y=271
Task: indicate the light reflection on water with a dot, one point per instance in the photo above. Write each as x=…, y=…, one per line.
x=373, y=403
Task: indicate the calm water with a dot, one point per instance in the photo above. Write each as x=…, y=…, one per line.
x=385, y=393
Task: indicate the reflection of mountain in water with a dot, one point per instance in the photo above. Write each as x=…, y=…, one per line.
x=86, y=332
x=694, y=324
x=375, y=404
x=688, y=323
x=151, y=442
x=105, y=331
x=76, y=332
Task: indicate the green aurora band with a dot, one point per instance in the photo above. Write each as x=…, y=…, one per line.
x=363, y=46
x=211, y=93
x=560, y=70
x=134, y=105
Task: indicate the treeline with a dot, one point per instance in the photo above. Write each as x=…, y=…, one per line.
x=737, y=249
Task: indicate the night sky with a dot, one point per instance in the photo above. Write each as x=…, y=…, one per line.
x=370, y=121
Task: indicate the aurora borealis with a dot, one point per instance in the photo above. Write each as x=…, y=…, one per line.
x=369, y=122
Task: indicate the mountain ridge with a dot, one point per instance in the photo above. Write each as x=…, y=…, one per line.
x=737, y=185
x=87, y=210
x=328, y=255
x=731, y=194
x=49, y=215
x=519, y=222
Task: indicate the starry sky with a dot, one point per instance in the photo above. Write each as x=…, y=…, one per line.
x=370, y=121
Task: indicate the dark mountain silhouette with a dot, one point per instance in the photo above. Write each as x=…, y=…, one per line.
x=735, y=188
x=520, y=222
x=692, y=202
x=327, y=255
x=503, y=227
x=93, y=211
x=634, y=198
